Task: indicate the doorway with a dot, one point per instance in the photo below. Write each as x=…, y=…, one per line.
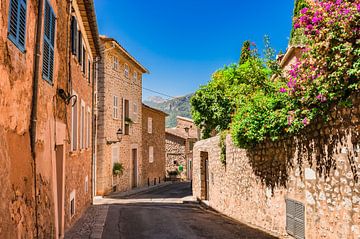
x=204, y=167
x=60, y=187
x=135, y=168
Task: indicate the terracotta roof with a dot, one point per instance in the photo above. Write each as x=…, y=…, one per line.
x=87, y=12
x=153, y=109
x=125, y=52
x=179, y=133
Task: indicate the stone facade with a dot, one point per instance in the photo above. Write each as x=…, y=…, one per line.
x=119, y=108
x=84, y=50
x=33, y=115
x=179, y=142
x=318, y=168
x=153, y=165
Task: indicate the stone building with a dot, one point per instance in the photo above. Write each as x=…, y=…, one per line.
x=306, y=186
x=35, y=87
x=153, y=145
x=179, y=143
x=119, y=126
x=84, y=47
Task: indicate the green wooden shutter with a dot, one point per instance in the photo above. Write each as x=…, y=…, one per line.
x=49, y=43
x=17, y=23
x=74, y=33
x=79, y=48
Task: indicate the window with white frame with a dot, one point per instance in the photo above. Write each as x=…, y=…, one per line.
x=72, y=203
x=74, y=123
x=116, y=63
x=151, y=154
x=115, y=154
x=115, y=107
x=88, y=128
x=126, y=71
x=149, y=125
x=135, y=76
x=82, y=125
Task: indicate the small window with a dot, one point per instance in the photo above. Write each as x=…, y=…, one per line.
x=151, y=154
x=74, y=123
x=17, y=23
x=72, y=203
x=126, y=71
x=89, y=70
x=116, y=63
x=135, y=108
x=86, y=184
x=135, y=76
x=115, y=107
x=74, y=35
x=82, y=125
x=295, y=219
x=191, y=145
x=49, y=43
x=79, y=47
x=150, y=125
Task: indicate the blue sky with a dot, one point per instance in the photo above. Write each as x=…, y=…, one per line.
x=183, y=42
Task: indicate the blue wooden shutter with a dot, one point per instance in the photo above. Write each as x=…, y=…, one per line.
x=49, y=43
x=17, y=23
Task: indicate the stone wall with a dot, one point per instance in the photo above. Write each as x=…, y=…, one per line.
x=153, y=172
x=113, y=82
x=319, y=168
x=175, y=154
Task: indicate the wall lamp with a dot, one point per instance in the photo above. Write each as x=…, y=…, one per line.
x=118, y=136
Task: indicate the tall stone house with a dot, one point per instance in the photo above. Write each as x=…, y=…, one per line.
x=36, y=84
x=179, y=143
x=153, y=146
x=79, y=165
x=305, y=186
x=119, y=133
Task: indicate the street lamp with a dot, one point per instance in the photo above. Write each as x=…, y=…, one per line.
x=118, y=136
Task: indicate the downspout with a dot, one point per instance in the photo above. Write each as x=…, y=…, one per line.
x=33, y=117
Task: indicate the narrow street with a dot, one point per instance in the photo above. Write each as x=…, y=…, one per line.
x=159, y=215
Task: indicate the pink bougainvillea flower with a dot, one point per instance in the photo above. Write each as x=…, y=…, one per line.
x=305, y=121
x=304, y=10
x=282, y=90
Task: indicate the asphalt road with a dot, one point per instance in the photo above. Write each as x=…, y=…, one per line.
x=147, y=220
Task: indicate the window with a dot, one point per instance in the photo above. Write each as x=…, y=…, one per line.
x=84, y=61
x=135, y=111
x=115, y=154
x=88, y=128
x=79, y=47
x=74, y=35
x=89, y=70
x=295, y=218
x=86, y=184
x=74, y=123
x=72, y=203
x=151, y=154
x=49, y=43
x=116, y=63
x=17, y=23
x=126, y=71
x=191, y=145
x=150, y=125
x=126, y=117
x=135, y=76
x=82, y=125
x=115, y=107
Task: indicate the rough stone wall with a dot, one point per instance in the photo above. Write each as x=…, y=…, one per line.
x=153, y=172
x=319, y=168
x=175, y=152
x=112, y=82
x=183, y=123
x=78, y=165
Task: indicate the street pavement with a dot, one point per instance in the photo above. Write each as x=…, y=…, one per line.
x=166, y=212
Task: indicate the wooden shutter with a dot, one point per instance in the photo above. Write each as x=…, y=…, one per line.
x=49, y=42
x=295, y=219
x=17, y=23
x=79, y=47
x=74, y=33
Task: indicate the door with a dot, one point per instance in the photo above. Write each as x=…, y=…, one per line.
x=60, y=187
x=207, y=179
x=135, y=168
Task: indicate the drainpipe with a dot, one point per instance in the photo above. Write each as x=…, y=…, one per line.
x=33, y=117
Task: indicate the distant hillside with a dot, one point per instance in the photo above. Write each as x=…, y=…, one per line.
x=176, y=107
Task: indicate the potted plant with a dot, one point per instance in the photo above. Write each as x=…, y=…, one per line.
x=128, y=120
x=118, y=169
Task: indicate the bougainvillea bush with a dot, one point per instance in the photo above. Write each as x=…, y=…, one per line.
x=329, y=69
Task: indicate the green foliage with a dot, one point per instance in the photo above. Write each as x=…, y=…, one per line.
x=118, y=169
x=222, y=145
x=245, y=52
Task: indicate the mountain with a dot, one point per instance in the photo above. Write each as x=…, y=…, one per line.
x=179, y=106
